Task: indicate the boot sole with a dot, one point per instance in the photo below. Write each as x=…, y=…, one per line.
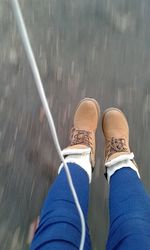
x=92, y=100
x=111, y=109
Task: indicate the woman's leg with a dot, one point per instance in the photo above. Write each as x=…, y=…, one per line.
x=129, y=206
x=60, y=226
x=129, y=203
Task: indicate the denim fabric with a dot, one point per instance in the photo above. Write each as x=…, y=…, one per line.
x=60, y=227
x=129, y=206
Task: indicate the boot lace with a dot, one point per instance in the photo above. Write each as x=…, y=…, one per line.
x=80, y=137
x=115, y=145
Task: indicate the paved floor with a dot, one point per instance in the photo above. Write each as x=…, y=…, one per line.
x=99, y=49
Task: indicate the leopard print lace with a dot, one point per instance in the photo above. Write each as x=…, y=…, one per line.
x=80, y=137
x=115, y=145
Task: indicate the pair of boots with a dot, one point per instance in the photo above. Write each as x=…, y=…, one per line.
x=83, y=144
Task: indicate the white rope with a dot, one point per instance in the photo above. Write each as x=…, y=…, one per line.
x=39, y=84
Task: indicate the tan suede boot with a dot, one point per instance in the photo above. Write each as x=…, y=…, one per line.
x=117, y=151
x=116, y=132
x=84, y=128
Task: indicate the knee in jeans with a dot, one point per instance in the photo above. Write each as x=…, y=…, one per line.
x=136, y=225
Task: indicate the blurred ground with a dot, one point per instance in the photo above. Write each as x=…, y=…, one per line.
x=99, y=49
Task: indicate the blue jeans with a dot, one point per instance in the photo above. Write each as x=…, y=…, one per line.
x=60, y=227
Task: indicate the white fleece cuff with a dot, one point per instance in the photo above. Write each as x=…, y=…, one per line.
x=80, y=157
x=122, y=161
